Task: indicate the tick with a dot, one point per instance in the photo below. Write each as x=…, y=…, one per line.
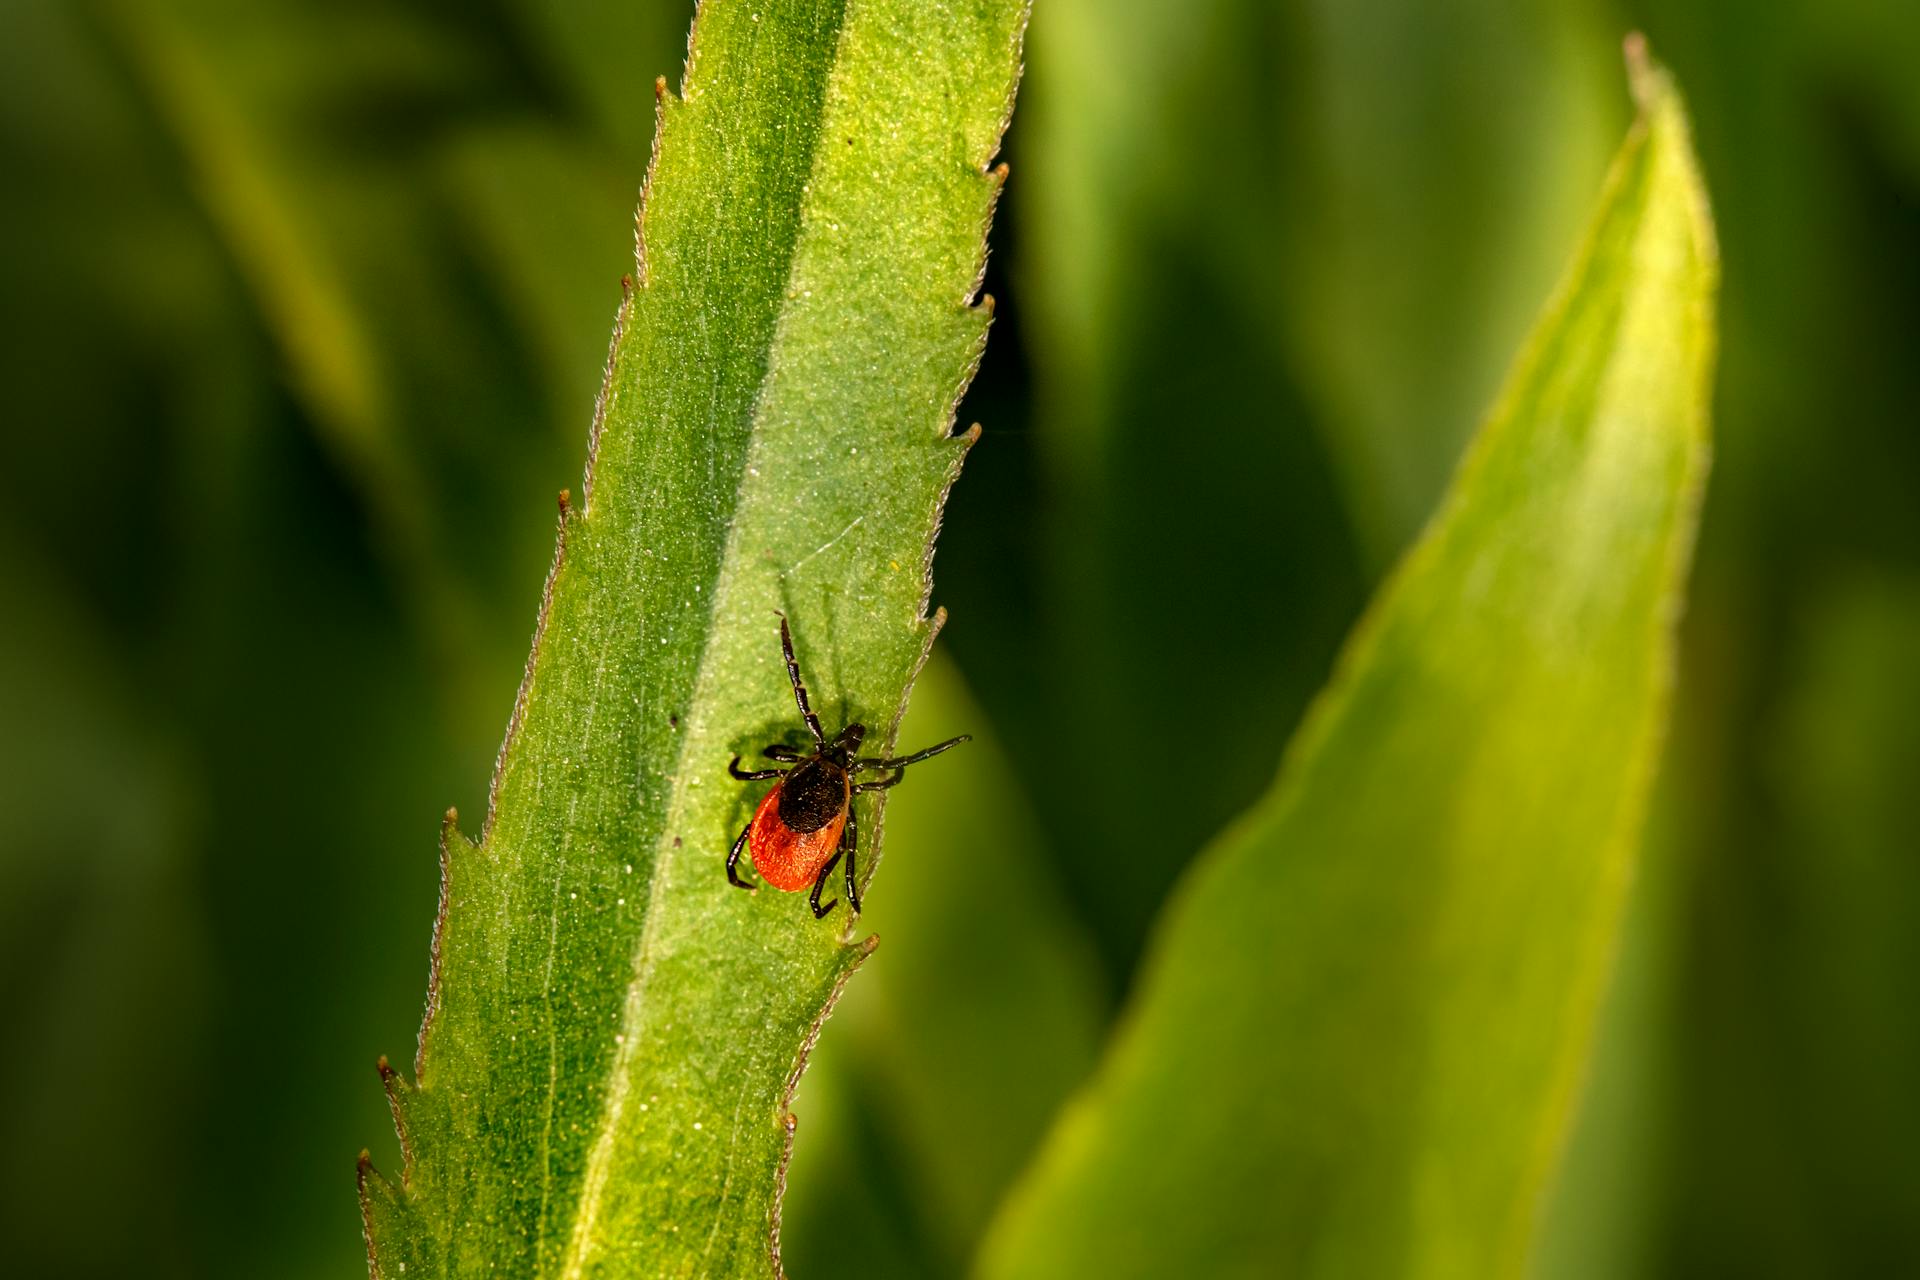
x=806, y=823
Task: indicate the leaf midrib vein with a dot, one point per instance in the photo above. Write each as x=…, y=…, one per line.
x=581, y=1240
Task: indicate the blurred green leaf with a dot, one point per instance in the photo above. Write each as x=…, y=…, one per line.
x=1443, y=155
x=1369, y=1011
x=613, y=1031
x=1803, y=1006
x=595, y=48
x=978, y=1015
x=1841, y=911
x=247, y=108
x=317, y=199
x=549, y=216
x=94, y=867
x=1878, y=45
x=1272, y=334
x=1176, y=447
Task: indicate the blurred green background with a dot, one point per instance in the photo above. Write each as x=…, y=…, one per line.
x=305, y=306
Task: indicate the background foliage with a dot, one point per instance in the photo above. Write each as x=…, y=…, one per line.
x=305, y=309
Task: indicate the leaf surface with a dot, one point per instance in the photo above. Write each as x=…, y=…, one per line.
x=1367, y=1013
x=612, y=1031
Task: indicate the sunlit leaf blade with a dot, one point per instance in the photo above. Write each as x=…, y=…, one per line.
x=1367, y=1014
x=613, y=1032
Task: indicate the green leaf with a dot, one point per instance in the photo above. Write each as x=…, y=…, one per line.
x=1368, y=1011
x=612, y=1031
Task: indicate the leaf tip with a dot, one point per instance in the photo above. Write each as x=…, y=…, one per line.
x=566, y=502
x=382, y=1211
x=450, y=840
x=397, y=1099
x=372, y=1184
x=1647, y=78
x=659, y=88
x=1661, y=105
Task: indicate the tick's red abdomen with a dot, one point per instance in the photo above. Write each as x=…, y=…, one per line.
x=785, y=858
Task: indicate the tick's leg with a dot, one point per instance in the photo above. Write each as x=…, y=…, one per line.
x=733, y=860
x=781, y=751
x=880, y=784
x=900, y=762
x=850, y=841
x=752, y=775
x=813, y=899
x=799, y=689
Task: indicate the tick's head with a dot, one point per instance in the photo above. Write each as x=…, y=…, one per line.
x=847, y=745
